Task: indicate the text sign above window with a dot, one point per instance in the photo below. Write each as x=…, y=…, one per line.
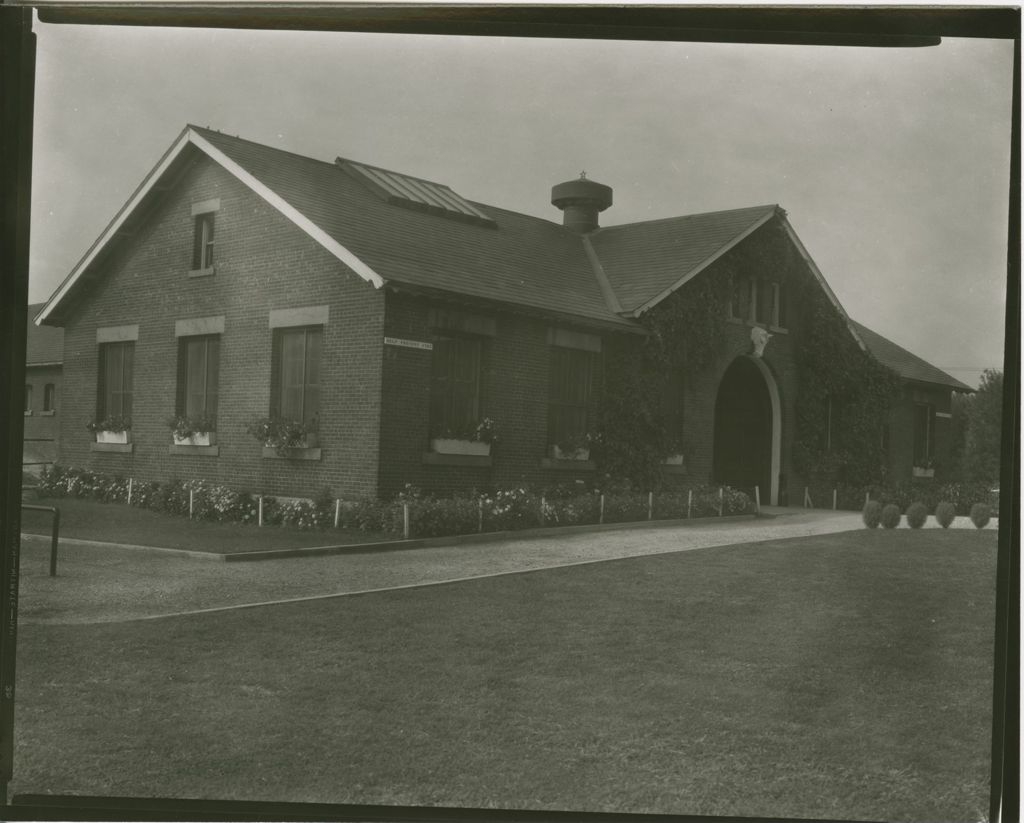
x=408, y=344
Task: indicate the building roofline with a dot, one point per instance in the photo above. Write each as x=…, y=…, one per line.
x=190, y=136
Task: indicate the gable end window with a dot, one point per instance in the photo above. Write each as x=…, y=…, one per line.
x=295, y=374
x=202, y=247
x=570, y=387
x=455, y=386
x=115, y=380
x=198, y=374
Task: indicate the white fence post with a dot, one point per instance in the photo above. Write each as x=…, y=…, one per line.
x=337, y=511
x=600, y=518
x=650, y=505
x=867, y=498
x=721, y=494
x=835, y=499
x=259, y=511
x=480, y=515
x=757, y=499
x=129, y=491
x=405, y=520
x=190, y=493
x=689, y=504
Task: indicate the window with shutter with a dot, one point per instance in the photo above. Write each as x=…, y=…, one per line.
x=115, y=384
x=295, y=378
x=198, y=375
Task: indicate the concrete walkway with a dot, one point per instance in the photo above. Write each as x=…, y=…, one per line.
x=102, y=583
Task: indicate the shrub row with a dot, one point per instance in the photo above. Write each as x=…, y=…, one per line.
x=496, y=510
x=962, y=496
x=890, y=514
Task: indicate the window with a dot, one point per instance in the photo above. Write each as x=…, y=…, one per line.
x=295, y=379
x=739, y=306
x=570, y=385
x=763, y=301
x=198, y=373
x=115, y=383
x=202, y=249
x=49, y=397
x=28, y=399
x=455, y=385
x=924, y=433
x=779, y=305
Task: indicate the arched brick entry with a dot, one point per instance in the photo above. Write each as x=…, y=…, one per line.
x=747, y=444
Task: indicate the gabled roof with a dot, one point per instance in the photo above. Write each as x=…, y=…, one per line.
x=645, y=262
x=907, y=365
x=44, y=345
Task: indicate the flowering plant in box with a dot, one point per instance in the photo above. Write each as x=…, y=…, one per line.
x=485, y=431
x=184, y=427
x=282, y=435
x=110, y=423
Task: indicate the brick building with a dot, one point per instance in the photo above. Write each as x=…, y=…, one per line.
x=390, y=316
x=44, y=352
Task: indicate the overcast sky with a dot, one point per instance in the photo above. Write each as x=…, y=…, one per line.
x=893, y=165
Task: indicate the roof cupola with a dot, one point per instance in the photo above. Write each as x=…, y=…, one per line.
x=581, y=201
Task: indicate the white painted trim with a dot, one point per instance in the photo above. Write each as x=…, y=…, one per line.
x=183, y=140
x=289, y=211
x=773, y=393
x=117, y=334
x=199, y=325
x=946, y=415
x=115, y=225
x=305, y=316
x=823, y=283
x=686, y=278
x=206, y=206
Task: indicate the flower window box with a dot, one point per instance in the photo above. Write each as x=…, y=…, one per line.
x=674, y=460
x=558, y=453
x=196, y=439
x=104, y=436
x=448, y=445
x=921, y=471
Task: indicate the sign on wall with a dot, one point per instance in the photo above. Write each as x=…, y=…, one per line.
x=408, y=344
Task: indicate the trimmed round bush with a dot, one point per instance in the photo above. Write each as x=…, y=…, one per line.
x=872, y=514
x=980, y=515
x=891, y=516
x=944, y=513
x=917, y=514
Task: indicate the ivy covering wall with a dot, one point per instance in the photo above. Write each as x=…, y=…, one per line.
x=686, y=333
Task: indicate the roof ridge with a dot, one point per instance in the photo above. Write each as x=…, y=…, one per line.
x=328, y=163
x=687, y=216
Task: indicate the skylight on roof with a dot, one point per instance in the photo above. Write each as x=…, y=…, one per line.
x=413, y=193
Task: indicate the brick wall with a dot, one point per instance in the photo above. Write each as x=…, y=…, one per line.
x=514, y=393
x=40, y=424
x=901, y=430
x=263, y=262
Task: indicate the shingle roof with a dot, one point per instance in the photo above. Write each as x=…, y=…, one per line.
x=525, y=260
x=906, y=365
x=642, y=260
x=43, y=344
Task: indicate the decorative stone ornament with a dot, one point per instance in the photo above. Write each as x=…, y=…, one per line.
x=759, y=337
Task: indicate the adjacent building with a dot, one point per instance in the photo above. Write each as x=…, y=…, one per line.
x=375, y=329
x=44, y=353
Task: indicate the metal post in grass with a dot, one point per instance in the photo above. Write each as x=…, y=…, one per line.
x=337, y=511
x=600, y=517
x=757, y=499
x=543, y=510
x=807, y=499
x=835, y=499
x=129, y=491
x=190, y=493
x=689, y=504
x=480, y=514
x=721, y=495
x=405, y=520
x=53, y=542
x=650, y=505
x=867, y=498
x=259, y=511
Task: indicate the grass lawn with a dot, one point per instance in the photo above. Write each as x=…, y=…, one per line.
x=118, y=523
x=846, y=676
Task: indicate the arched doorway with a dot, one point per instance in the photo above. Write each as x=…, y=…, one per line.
x=748, y=429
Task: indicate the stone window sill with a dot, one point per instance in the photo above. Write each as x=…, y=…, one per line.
x=28, y=413
x=118, y=448
x=439, y=459
x=47, y=413
x=205, y=451
x=207, y=272
x=568, y=465
x=270, y=453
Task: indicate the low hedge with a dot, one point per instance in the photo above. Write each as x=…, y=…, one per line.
x=919, y=490
x=506, y=509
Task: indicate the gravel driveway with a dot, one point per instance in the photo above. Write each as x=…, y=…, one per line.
x=104, y=583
